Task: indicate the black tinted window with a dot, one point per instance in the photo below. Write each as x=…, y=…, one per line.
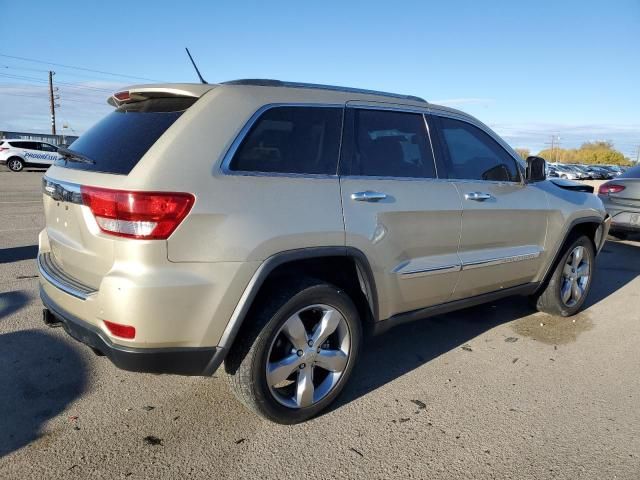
x=292, y=140
x=387, y=144
x=48, y=148
x=27, y=145
x=473, y=155
x=117, y=142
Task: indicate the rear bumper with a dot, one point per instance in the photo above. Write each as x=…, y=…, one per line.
x=180, y=361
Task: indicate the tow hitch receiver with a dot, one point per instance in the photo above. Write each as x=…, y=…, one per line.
x=49, y=319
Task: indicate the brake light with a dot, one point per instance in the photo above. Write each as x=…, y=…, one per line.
x=122, y=96
x=2, y=149
x=122, y=331
x=607, y=188
x=141, y=215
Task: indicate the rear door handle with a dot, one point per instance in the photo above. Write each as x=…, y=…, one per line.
x=368, y=196
x=477, y=196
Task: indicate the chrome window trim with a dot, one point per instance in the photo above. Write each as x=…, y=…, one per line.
x=387, y=107
x=478, y=124
x=244, y=131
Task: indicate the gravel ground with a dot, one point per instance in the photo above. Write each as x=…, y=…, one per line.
x=496, y=391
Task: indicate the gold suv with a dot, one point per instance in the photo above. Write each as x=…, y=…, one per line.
x=269, y=224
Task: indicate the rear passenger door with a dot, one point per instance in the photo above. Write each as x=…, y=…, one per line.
x=504, y=220
x=395, y=210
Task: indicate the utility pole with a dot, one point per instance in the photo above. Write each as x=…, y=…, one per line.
x=52, y=103
x=555, y=147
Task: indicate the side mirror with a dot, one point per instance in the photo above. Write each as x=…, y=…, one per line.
x=536, y=169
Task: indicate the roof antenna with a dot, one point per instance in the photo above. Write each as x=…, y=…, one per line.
x=202, y=80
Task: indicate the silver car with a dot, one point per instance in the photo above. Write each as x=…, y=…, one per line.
x=621, y=198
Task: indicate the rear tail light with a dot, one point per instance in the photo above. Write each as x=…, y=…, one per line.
x=122, y=331
x=2, y=149
x=607, y=188
x=142, y=215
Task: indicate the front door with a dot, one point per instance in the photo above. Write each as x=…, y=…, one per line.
x=504, y=222
x=395, y=210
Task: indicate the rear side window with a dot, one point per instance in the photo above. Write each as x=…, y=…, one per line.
x=386, y=144
x=292, y=140
x=471, y=154
x=27, y=145
x=117, y=142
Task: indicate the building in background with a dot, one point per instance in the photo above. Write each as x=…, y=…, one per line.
x=40, y=137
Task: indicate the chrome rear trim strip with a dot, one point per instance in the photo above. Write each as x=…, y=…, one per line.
x=62, y=191
x=51, y=272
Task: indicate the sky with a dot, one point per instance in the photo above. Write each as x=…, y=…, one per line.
x=529, y=70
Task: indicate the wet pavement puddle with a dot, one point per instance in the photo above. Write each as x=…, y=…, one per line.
x=553, y=330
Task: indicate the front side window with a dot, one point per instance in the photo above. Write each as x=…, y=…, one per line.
x=471, y=154
x=302, y=140
x=386, y=144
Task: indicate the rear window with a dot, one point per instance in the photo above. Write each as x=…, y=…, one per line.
x=118, y=142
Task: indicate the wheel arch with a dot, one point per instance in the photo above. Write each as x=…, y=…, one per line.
x=307, y=260
x=588, y=226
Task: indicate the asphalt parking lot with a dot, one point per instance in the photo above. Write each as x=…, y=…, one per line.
x=497, y=391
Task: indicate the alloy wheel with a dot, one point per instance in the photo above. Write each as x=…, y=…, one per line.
x=575, y=276
x=308, y=356
x=15, y=165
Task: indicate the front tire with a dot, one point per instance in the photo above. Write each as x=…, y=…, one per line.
x=570, y=282
x=298, y=352
x=15, y=164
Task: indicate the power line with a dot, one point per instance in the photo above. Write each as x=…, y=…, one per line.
x=78, y=68
x=44, y=97
x=40, y=80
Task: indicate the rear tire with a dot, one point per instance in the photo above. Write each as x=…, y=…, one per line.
x=298, y=351
x=15, y=164
x=570, y=282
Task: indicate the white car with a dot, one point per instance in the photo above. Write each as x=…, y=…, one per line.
x=18, y=154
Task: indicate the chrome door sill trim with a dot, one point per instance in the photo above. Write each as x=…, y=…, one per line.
x=499, y=261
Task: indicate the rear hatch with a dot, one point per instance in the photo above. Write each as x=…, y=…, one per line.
x=88, y=208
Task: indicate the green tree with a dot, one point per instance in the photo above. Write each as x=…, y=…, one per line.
x=589, y=153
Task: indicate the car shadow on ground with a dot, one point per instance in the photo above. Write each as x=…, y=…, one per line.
x=40, y=375
x=16, y=254
x=11, y=302
x=409, y=346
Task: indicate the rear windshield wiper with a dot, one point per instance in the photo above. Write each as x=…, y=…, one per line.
x=72, y=156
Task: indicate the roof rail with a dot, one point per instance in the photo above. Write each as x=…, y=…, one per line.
x=265, y=82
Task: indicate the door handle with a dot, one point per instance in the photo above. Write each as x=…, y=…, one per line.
x=368, y=196
x=477, y=196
